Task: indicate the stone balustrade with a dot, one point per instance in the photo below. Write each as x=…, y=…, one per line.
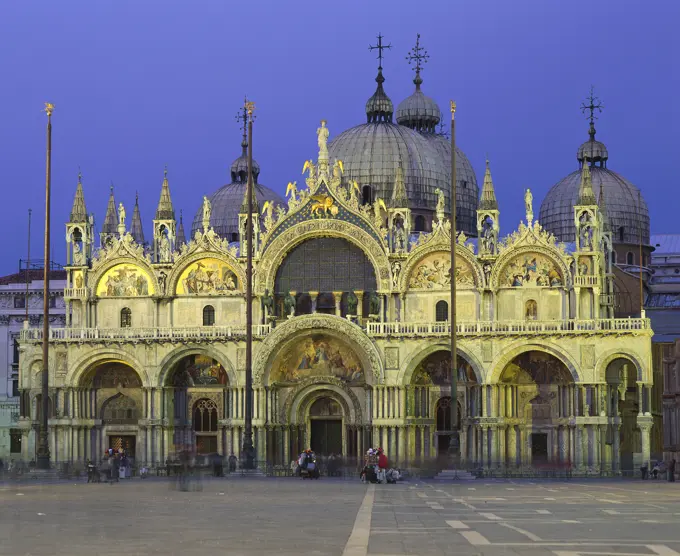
x=586, y=281
x=375, y=329
x=504, y=328
x=167, y=334
x=75, y=293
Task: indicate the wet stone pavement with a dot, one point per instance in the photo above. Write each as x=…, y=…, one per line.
x=253, y=516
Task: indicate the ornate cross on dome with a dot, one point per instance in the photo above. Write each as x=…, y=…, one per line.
x=380, y=47
x=593, y=105
x=242, y=117
x=418, y=55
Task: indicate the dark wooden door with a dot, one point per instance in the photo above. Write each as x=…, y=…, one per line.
x=327, y=436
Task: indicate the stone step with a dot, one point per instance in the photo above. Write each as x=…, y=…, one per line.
x=454, y=475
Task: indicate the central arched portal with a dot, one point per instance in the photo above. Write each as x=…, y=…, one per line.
x=325, y=423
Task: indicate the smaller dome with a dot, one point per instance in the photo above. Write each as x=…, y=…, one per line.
x=239, y=168
x=419, y=112
x=226, y=206
x=379, y=107
x=592, y=150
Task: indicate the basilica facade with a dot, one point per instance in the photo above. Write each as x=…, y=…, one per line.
x=351, y=349
x=352, y=339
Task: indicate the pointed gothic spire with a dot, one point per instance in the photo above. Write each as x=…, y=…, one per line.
x=244, y=204
x=181, y=237
x=603, y=209
x=78, y=211
x=399, y=197
x=586, y=196
x=136, y=228
x=488, y=200
x=165, y=211
x=110, y=225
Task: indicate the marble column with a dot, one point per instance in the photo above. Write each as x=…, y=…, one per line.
x=360, y=304
x=401, y=445
x=338, y=300
x=313, y=296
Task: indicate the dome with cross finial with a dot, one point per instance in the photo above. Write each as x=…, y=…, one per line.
x=624, y=206
x=372, y=152
x=226, y=201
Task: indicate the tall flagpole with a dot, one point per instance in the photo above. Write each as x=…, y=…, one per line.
x=43, y=456
x=454, y=442
x=642, y=299
x=28, y=261
x=248, y=449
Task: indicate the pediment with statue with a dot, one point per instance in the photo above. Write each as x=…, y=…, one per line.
x=531, y=257
x=207, y=265
x=122, y=269
x=324, y=198
x=429, y=262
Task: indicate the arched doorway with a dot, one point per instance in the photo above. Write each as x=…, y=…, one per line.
x=534, y=388
x=119, y=400
x=433, y=376
x=195, y=388
x=622, y=401
x=325, y=419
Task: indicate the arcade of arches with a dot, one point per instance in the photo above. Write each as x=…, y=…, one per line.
x=318, y=395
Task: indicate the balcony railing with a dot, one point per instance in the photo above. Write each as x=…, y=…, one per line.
x=75, y=293
x=144, y=334
x=586, y=281
x=376, y=329
x=504, y=328
x=607, y=299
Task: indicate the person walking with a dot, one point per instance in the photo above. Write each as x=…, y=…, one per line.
x=671, y=471
x=382, y=465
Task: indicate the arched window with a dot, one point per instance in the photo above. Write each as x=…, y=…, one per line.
x=613, y=257
x=205, y=416
x=125, y=318
x=208, y=315
x=630, y=258
x=366, y=195
x=420, y=223
x=442, y=311
x=531, y=310
x=444, y=420
x=120, y=410
x=234, y=237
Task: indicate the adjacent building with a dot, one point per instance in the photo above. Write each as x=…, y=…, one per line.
x=21, y=304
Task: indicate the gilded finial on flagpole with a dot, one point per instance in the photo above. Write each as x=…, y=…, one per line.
x=453, y=108
x=49, y=107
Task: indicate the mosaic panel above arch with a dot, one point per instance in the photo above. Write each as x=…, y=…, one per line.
x=536, y=367
x=198, y=371
x=317, y=355
x=207, y=276
x=435, y=370
x=125, y=280
x=433, y=272
x=530, y=269
x=112, y=375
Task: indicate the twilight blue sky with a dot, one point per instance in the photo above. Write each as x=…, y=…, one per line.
x=139, y=84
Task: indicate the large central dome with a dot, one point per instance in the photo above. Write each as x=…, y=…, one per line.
x=372, y=153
